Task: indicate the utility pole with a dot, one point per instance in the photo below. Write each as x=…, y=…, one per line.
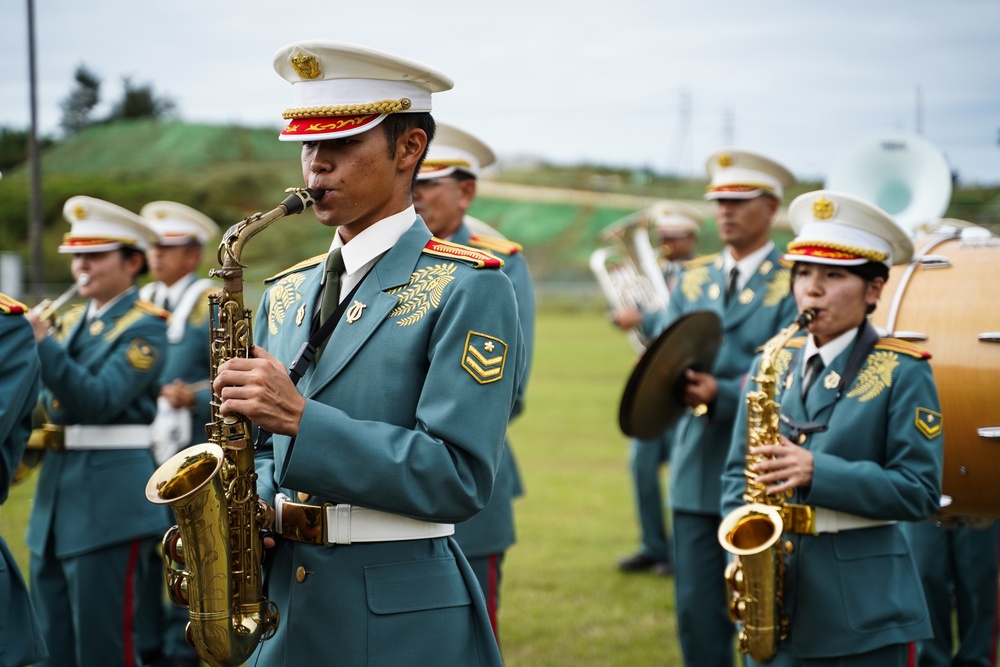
x=34, y=160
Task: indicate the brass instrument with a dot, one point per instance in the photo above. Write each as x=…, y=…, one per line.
x=753, y=532
x=212, y=557
x=629, y=272
x=48, y=309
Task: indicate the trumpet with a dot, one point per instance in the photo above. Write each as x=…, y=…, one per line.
x=47, y=309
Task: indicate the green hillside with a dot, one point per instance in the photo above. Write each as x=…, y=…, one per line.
x=229, y=172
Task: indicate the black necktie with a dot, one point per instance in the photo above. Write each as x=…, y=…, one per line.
x=734, y=278
x=813, y=369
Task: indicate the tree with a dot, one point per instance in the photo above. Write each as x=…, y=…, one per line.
x=81, y=101
x=141, y=102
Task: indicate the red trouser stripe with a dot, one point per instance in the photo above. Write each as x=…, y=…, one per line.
x=129, y=606
x=491, y=597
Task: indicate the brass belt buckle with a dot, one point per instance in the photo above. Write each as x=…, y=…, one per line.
x=303, y=523
x=799, y=519
x=49, y=436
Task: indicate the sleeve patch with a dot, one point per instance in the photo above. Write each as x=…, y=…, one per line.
x=929, y=423
x=141, y=355
x=484, y=357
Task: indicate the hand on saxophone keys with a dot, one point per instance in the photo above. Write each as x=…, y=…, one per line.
x=783, y=467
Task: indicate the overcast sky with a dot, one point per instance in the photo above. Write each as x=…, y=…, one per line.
x=656, y=83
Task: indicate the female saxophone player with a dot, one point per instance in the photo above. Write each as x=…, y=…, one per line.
x=100, y=373
x=861, y=445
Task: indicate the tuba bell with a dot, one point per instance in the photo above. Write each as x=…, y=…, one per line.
x=628, y=270
x=903, y=174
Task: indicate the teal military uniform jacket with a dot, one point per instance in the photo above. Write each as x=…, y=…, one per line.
x=406, y=412
x=99, y=374
x=188, y=355
x=492, y=531
x=880, y=457
x=20, y=637
x=764, y=306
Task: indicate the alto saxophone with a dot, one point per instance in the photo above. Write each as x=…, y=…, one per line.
x=212, y=557
x=753, y=531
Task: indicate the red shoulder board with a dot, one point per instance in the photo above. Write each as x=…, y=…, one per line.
x=495, y=244
x=152, y=309
x=904, y=347
x=449, y=250
x=9, y=306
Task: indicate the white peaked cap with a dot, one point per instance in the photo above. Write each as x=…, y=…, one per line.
x=341, y=89
x=178, y=224
x=454, y=150
x=735, y=173
x=100, y=226
x=837, y=228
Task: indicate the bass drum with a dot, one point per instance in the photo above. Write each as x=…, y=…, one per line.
x=945, y=301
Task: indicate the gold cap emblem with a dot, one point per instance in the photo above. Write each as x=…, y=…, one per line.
x=823, y=209
x=306, y=66
x=725, y=160
x=80, y=212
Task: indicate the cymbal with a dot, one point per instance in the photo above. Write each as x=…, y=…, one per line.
x=653, y=397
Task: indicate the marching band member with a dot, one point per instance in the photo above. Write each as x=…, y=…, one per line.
x=861, y=444
x=676, y=227
x=90, y=520
x=445, y=188
x=185, y=394
x=396, y=432
x=747, y=285
x=21, y=640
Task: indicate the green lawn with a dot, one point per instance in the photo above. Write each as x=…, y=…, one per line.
x=564, y=603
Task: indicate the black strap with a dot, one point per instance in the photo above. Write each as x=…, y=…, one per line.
x=307, y=353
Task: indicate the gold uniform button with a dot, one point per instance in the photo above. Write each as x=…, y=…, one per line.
x=300, y=574
x=303, y=496
x=56, y=404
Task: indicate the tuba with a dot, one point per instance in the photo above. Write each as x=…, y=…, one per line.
x=629, y=273
x=753, y=531
x=212, y=557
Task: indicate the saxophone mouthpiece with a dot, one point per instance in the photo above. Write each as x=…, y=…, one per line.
x=299, y=199
x=805, y=318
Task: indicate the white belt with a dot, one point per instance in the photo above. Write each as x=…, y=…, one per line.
x=111, y=436
x=830, y=521
x=346, y=524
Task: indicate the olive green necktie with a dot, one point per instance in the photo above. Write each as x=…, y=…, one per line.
x=330, y=298
x=734, y=278
x=814, y=367
x=331, y=288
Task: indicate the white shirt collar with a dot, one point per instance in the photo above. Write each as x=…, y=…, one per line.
x=748, y=265
x=831, y=350
x=361, y=252
x=93, y=312
x=173, y=293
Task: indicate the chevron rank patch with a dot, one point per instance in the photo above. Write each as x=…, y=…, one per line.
x=141, y=355
x=929, y=423
x=484, y=357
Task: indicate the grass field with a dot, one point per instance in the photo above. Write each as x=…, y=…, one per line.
x=564, y=603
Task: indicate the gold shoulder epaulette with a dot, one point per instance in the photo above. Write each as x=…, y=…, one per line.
x=904, y=347
x=699, y=261
x=304, y=264
x=495, y=244
x=449, y=250
x=9, y=306
x=153, y=309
